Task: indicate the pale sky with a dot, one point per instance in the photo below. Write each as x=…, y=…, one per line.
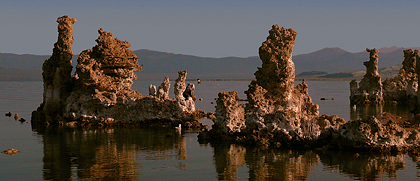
x=211, y=28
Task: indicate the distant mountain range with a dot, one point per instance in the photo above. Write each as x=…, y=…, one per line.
x=334, y=60
x=157, y=65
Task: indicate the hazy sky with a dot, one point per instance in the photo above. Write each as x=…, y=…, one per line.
x=211, y=28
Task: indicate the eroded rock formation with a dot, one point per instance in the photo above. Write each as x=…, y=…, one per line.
x=274, y=104
x=403, y=87
x=184, y=97
x=386, y=133
x=229, y=115
x=273, y=101
x=370, y=87
x=100, y=90
x=57, y=70
x=280, y=115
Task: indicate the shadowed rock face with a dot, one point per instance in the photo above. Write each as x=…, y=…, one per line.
x=274, y=102
x=57, y=69
x=370, y=87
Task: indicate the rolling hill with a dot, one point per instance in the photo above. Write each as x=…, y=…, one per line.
x=335, y=60
x=157, y=65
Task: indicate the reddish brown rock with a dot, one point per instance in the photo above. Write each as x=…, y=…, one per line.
x=275, y=106
x=384, y=133
x=100, y=90
x=402, y=89
x=57, y=70
x=229, y=115
x=274, y=103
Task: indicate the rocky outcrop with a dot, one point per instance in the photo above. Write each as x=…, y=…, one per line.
x=57, y=70
x=403, y=87
x=385, y=133
x=100, y=90
x=280, y=115
x=275, y=106
x=184, y=97
x=273, y=101
x=370, y=87
x=229, y=115
x=163, y=89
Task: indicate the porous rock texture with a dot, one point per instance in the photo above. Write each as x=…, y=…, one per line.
x=280, y=115
x=100, y=89
x=229, y=115
x=273, y=101
x=57, y=70
x=402, y=89
x=370, y=87
x=274, y=104
x=384, y=133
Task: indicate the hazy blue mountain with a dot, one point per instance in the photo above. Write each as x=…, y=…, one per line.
x=12, y=74
x=334, y=60
x=157, y=65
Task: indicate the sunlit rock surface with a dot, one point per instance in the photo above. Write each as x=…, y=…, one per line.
x=280, y=115
x=273, y=101
x=402, y=89
x=100, y=90
x=229, y=115
x=370, y=87
x=385, y=132
x=275, y=107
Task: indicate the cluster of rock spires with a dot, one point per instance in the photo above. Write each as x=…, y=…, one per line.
x=402, y=89
x=100, y=92
x=277, y=113
x=280, y=114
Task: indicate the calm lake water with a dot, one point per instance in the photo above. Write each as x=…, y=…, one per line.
x=166, y=154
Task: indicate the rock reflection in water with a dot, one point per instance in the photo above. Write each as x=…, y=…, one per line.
x=366, y=166
x=280, y=165
x=227, y=159
x=263, y=164
x=110, y=154
x=364, y=111
x=299, y=165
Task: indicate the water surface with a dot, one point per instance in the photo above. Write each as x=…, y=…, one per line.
x=166, y=154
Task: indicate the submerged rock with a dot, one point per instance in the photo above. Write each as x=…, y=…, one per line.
x=370, y=87
x=10, y=151
x=100, y=90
